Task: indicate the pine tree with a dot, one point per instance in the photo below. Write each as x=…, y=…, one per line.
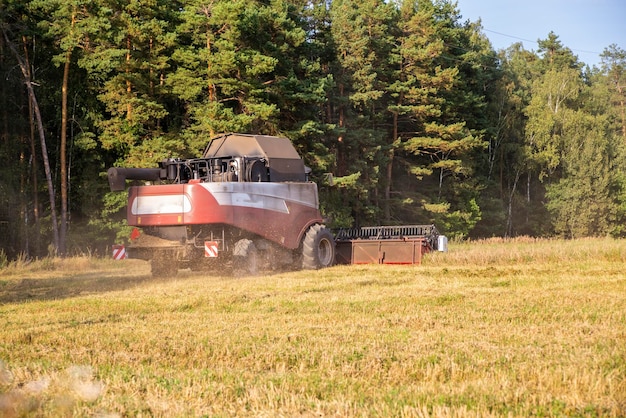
x=362, y=37
x=128, y=60
x=227, y=64
x=69, y=25
x=614, y=67
x=433, y=134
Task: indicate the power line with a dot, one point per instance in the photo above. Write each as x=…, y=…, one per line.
x=535, y=42
x=508, y=36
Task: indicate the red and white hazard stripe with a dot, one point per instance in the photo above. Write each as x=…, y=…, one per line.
x=210, y=248
x=119, y=252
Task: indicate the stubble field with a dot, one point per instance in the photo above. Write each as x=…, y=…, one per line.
x=491, y=328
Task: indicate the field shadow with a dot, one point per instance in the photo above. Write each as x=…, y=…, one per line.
x=27, y=289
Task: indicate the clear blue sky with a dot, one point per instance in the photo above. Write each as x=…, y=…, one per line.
x=586, y=27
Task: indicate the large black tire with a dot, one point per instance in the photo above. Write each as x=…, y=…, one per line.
x=245, y=261
x=318, y=248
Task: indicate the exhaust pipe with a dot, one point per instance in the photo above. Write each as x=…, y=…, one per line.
x=118, y=176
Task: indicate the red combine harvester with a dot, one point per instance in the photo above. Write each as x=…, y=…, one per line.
x=247, y=204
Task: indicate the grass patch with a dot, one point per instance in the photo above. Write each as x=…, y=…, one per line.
x=491, y=328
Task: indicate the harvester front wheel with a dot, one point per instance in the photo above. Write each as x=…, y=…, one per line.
x=245, y=261
x=318, y=248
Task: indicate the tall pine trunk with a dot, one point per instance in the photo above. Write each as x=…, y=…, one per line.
x=24, y=65
x=63, y=142
x=64, y=180
x=389, y=174
x=34, y=175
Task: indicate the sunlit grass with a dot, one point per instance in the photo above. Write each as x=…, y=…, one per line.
x=490, y=328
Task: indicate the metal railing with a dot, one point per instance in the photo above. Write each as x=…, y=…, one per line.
x=388, y=232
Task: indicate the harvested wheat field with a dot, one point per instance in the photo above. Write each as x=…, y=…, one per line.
x=492, y=328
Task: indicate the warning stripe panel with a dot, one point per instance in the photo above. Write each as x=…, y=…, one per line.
x=119, y=252
x=210, y=248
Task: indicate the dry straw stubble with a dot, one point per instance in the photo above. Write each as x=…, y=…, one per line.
x=489, y=329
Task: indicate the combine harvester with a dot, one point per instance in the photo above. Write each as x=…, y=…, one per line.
x=246, y=205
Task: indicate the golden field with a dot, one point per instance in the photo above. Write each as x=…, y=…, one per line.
x=492, y=328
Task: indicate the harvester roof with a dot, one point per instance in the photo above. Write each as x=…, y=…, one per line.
x=282, y=159
x=230, y=145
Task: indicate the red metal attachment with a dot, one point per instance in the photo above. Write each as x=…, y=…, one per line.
x=385, y=244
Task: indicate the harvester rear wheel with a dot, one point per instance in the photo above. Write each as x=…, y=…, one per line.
x=318, y=248
x=245, y=261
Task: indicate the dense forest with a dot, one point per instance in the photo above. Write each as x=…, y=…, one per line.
x=405, y=103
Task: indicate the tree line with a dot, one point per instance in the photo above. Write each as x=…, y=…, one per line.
x=405, y=103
